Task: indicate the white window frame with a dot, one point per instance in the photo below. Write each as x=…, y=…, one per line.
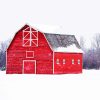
x=72, y=61
x=30, y=40
x=57, y=61
x=29, y=52
x=64, y=61
x=78, y=61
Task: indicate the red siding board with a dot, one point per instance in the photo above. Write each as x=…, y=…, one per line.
x=43, y=69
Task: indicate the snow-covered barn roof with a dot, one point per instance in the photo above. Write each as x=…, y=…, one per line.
x=63, y=43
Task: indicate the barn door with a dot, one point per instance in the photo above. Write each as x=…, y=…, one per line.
x=29, y=66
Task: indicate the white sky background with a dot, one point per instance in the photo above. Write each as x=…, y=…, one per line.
x=79, y=17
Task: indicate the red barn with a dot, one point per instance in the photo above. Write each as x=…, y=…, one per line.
x=35, y=52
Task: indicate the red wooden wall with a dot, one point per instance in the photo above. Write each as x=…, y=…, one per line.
x=16, y=53
x=68, y=67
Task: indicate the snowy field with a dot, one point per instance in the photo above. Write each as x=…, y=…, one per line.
x=84, y=86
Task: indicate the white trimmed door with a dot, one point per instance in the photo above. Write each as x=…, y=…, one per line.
x=29, y=66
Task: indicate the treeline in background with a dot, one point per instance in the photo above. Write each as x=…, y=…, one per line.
x=3, y=48
x=91, y=56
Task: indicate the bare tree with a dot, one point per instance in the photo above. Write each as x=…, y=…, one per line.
x=96, y=49
x=82, y=42
x=3, y=47
x=96, y=42
x=85, y=57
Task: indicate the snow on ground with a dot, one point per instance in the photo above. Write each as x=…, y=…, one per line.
x=85, y=86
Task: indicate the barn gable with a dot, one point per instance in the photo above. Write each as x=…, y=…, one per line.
x=25, y=26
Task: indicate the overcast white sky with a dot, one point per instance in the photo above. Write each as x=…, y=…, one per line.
x=79, y=17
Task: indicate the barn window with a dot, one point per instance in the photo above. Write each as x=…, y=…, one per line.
x=57, y=61
x=30, y=37
x=29, y=54
x=78, y=61
x=64, y=61
x=72, y=61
